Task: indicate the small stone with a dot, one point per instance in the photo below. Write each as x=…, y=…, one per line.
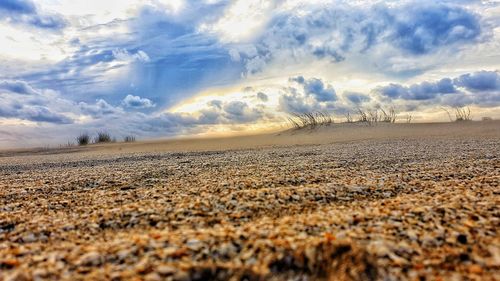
x=68, y=227
x=461, y=238
x=194, y=244
x=152, y=277
x=29, y=238
x=227, y=250
x=89, y=259
x=386, y=194
x=357, y=189
x=9, y=263
x=165, y=270
x=181, y=276
x=475, y=269
x=18, y=276
x=412, y=235
x=40, y=273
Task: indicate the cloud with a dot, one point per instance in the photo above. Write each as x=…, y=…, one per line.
x=105, y=115
x=215, y=103
x=293, y=102
x=20, y=100
x=479, y=81
x=342, y=31
x=262, y=96
x=10, y=107
x=356, y=98
x=42, y=114
x=427, y=90
x=229, y=112
x=137, y=102
x=170, y=53
x=16, y=86
x=421, y=91
x=52, y=22
x=238, y=111
x=156, y=51
x=25, y=12
x=99, y=109
x=479, y=88
x=426, y=27
x=124, y=55
x=312, y=95
x=315, y=87
x=18, y=6
x=392, y=90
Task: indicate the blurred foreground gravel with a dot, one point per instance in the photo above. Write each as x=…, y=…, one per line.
x=415, y=209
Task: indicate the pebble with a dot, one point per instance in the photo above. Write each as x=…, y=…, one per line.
x=166, y=270
x=89, y=259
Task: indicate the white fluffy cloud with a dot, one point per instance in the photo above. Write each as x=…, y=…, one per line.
x=137, y=102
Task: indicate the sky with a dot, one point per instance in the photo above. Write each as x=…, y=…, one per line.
x=170, y=68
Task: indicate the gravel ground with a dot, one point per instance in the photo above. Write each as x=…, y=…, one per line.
x=413, y=209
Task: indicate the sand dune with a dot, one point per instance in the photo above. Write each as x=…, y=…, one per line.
x=343, y=202
x=335, y=133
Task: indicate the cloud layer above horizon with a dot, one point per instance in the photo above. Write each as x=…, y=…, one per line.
x=160, y=68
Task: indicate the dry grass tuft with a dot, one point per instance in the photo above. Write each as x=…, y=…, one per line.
x=103, y=137
x=129, y=138
x=461, y=114
x=83, y=139
x=310, y=120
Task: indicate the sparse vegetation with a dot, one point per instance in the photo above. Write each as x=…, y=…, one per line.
x=408, y=118
x=310, y=120
x=129, y=138
x=374, y=116
x=102, y=137
x=389, y=116
x=461, y=114
x=324, y=119
x=362, y=116
x=348, y=118
x=83, y=139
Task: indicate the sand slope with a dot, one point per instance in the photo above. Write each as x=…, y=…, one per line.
x=345, y=202
x=334, y=133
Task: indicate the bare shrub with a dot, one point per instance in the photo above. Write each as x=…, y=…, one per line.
x=129, y=138
x=103, y=137
x=461, y=114
x=368, y=117
x=362, y=116
x=83, y=139
x=408, y=118
x=348, y=118
x=389, y=116
x=373, y=116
